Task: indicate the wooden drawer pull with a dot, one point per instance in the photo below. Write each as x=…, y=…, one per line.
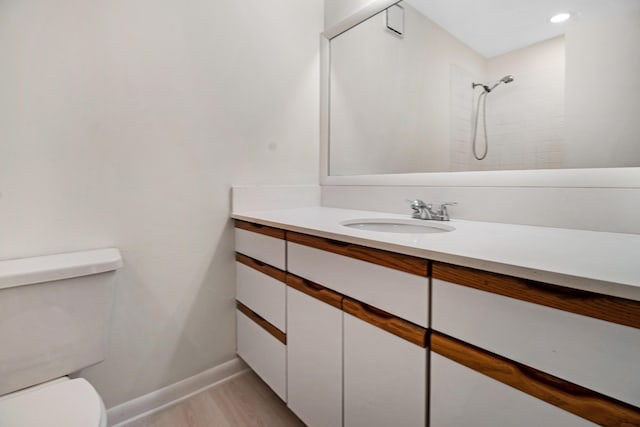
x=315, y=290
x=573, y=398
x=261, y=267
x=312, y=286
x=258, y=262
x=376, y=311
x=599, y=306
x=383, y=320
x=337, y=243
x=260, y=321
x=260, y=229
x=406, y=263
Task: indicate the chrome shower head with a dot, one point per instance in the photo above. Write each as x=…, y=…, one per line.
x=506, y=79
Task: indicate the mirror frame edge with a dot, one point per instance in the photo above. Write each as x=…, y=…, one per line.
x=627, y=177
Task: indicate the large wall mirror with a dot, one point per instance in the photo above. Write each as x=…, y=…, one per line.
x=434, y=86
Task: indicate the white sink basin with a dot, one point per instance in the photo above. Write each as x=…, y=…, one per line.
x=389, y=225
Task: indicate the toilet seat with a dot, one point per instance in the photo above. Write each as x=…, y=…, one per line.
x=59, y=403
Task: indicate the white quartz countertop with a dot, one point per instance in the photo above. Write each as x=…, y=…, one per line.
x=607, y=263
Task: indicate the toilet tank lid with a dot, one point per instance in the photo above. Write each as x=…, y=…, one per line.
x=29, y=271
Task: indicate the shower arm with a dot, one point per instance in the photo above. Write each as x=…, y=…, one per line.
x=506, y=79
x=485, y=87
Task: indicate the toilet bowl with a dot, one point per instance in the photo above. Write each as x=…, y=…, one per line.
x=54, y=321
x=59, y=403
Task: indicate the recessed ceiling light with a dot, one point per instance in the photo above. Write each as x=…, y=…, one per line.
x=561, y=17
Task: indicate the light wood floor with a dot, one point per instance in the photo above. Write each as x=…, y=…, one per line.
x=242, y=401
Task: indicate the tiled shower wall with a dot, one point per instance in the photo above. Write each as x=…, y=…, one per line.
x=525, y=118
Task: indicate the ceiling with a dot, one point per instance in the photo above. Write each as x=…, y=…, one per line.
x=494, y=27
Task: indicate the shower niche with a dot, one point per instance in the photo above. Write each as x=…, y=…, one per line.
x=554, y=95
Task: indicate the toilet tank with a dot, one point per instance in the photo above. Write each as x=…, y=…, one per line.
x=54, y=315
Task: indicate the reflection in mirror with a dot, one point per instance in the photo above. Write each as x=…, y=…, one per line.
x=544, y=95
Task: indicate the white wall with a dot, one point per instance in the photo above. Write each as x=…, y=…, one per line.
x=124, y=123
x=603, y=92
x=526, y=117
x=337, y=10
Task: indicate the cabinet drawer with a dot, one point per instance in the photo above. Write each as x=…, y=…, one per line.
x=262, y=293
x=596, y=354
x=263, y=247
x=403, y=294
x=462, y=397
x=263, y=352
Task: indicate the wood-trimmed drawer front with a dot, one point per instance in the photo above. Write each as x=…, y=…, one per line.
x=260, y=229
x=259, y=243
x=386, y=321
x=593, y=353
x=385, y=377
x=266, y=355
x=315, y=291
x=454, y=387
x=604, y=307
x=404, y=294
x=462, y=397
x=261, y=288
x=406, y=263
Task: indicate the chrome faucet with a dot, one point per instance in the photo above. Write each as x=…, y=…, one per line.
x=422, y=210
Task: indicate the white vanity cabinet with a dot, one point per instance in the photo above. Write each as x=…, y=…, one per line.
x=261, y=302
x=314, y=353
x=373, y=370
x=339, y=332
x=384, y=374
x=552, y=355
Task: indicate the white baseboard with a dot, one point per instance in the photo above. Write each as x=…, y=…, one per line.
x=125, y=413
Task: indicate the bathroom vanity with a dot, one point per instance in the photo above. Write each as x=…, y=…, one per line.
x=484, y=324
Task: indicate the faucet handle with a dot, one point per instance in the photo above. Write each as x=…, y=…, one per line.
x=443, y=212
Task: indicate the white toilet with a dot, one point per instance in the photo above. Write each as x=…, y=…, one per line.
x=54, y=318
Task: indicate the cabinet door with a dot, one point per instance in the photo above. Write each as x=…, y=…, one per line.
x=385, y=377
x=314, y=360
x=462, y=397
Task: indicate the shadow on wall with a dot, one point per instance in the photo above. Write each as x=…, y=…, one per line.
x=196, y=322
